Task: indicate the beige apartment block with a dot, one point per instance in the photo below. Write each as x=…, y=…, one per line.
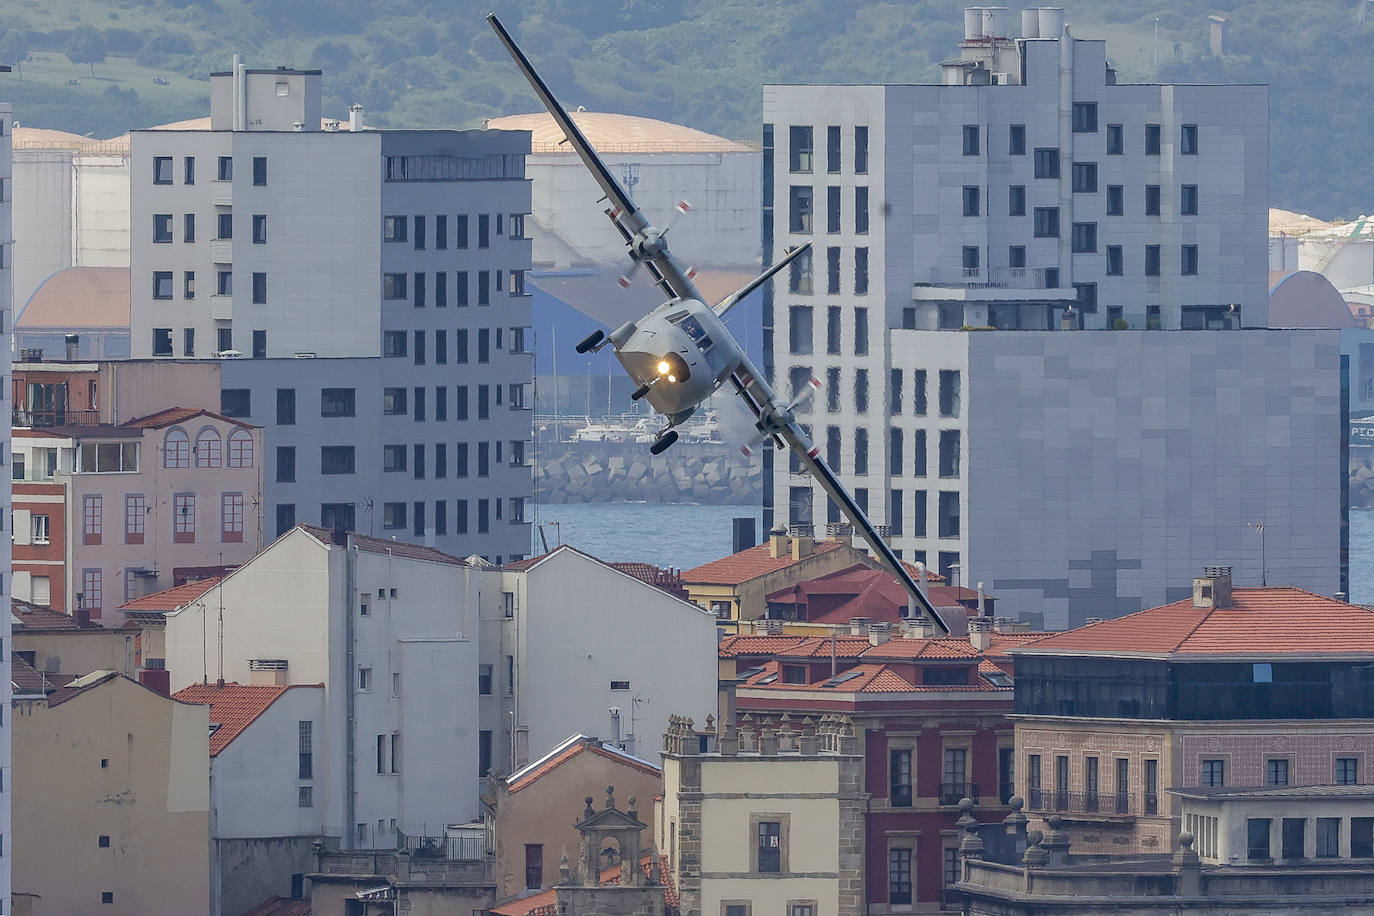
x=111, y=785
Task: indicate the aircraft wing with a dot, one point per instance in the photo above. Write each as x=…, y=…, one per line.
x=777, y=420
x=647, y=245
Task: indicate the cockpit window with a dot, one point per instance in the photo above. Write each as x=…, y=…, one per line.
x=693, y=328
x=678, y=316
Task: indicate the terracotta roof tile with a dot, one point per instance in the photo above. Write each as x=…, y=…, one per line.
x=999, y=643
x=171, y=599
x=572, y=747
x=27, y=679
x=281, y=906
x=233, y=707
x=544, y=901
x=746, y=565
x=1261, y=621
x=28, y=616
x=174, y=415
x=749, y=644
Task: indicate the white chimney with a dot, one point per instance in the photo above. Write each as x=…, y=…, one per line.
x=979, y=633
x=240, y=94
x=981, y=609
x=355, y=121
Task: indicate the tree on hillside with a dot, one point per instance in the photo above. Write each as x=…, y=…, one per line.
x=14, y=48
x=87, y=46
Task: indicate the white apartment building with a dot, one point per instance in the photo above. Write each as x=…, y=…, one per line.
x=6, y=357
x=958, y=229
x=373, y=276
x=390, y=631
x=578, y=645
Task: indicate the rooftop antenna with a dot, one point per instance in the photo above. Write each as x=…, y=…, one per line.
x=1258, y=527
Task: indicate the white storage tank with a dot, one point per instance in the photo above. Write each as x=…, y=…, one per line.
x=973, y=22
x=1030, y=23
x=1051, y=21
x=994, y=22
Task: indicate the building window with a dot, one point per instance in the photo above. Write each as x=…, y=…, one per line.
x=1006, y=773
x=207, y=448
x=949, y=394
x=394, y=516
x=231, y=518
x=1016, y=256
x=393, y=458
x=240, y=449
x=1116, y=144
x=899, y=876
x=800, y=208
x=1293, y=839
x=162, y=170
x=184, y=518
x=1116, y=197
x=1347, y=771
x=1361, y=837
x=1152, y=139
x=286, y=464
x=1115, y=261
x=861, y=211
x=1187, y=260
x=769, y=847
x=394, y=286
x=1276, y=772
x=1084, y=238
x=800, y=279
x=92, y=519
x=1187, y=202
x=337, y=402
x=1085, y=177
x=394, y=343
x=1213, y=773
x=949, y=453
x=1016, y=140
x=1257, y=837
x=832, y=272
x=305, y=796
x=162, y=227
x=832, y=209
x=801, y=145
x=1328, y=837
x=394, y=228
x=800, y=329
x=1033, y=784
x=1187, y=140
x=1085, y=117
x=899, y=778
x=394, y=401
x=534, y=866
x=224, y=285
x=1016, y=200
x=135, y=517
x=860, y=150
x=971, y=144
x=860, y=271
x=1047, y=162
x=484, y=680
x=971, y=201
x=259, y=229
x=176, y=449
x=1152, y=200
x=949, y=514
x=1151, y=260
x=1047, y=222
x=954, y=776
x=162, y=289
x=305, y=741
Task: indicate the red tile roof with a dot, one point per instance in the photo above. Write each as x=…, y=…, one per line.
x=865, y=677
x=572, y=747
x=861, y=591
x=281, y=906
x=1261, y=621
x=999, y=643
x=27, y=679
x=746, y=565
x=171, y=599
x=174, y=415
x=383, y=546
x=845, y=647
x=233, y=707
x=545, y=900
x=28, y=616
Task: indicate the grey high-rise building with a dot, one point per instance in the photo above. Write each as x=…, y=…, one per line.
x=1035, y=306
x=366, y=292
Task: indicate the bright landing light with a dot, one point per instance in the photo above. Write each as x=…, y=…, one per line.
x=663, y=367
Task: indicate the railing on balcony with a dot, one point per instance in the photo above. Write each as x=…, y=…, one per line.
x=1051, y=801
x=38, y=419
x=951, y=793
x=989, y=277
x=452, y=848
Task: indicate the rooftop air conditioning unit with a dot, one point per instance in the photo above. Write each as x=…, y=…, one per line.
x=1002, y=79
x=229, y=354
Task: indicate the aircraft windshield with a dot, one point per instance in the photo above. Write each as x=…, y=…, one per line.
x=693, y=328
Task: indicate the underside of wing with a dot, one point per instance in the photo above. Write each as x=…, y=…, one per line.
x=810, y=456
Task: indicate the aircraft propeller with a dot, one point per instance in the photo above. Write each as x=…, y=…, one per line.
x=651, y=243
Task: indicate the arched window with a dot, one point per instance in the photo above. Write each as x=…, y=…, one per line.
x=208, y=448
x=176, y=449
x=240, y=449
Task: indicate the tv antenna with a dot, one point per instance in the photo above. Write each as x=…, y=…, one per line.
x=1258, y=527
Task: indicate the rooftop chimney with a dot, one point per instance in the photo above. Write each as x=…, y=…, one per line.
x=803, y=545
x=355, y=117
x=73, y=342
x=777, y=542
x=980, y=633
x=1213, y=587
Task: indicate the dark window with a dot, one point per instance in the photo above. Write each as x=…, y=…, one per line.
x=918, y=511
x=1213, y=773
x=188, y=227
x=1328, y=837
x=484, y=287
x=286, y=464
x=1347, y=771
x=1152, y=200
x=225, y=169
x=224, y=225
x=460, y=452
x=832, y=209
x=949, y=514
x=1152, y=139
x=259, y=170
x=236, y=402
x=770, y=846
x=1361, y=837
x=419, y=233
x=832, y=149
x=1016, y=200
x=800, y=208
x=799, y=329
x=190, y=170
x=338, y=516
x=394, y=286
x=162, y=284
x=483, y=231
x=286, y=406
x=162, y=170
x=949, y=453
x=860, y=150
x=1294, y=836
x=861, y=210
x=460, y=230
x=861, y=332
x=1187, y=259
x=1187, y=200
x=419, y=348
x=860, y=451
x=1085, y=177
x=337, y=402
x=832, y=270
x=1084, y=237
x=860, y=390
x=1016, y=256
x=1046, y=222
x=1116, y=144
x=440, y=232
x=1086, y=296
x=799, y=277
x=1257, y=837
x=898, y=876
x=395, y=228
x=1006, y=773
x=162, y=227
x=534, y=866
x=188, y=342
x=1046, y=162
x=1276, y=772
x=393, y=517
x=971, y=202
x=259, y=287
x=801, y=144
x=336, y=459
x=1085, y=117
x=899, y=778
x=1115, y=261
x=419, y=290
x=971, y=140
x=395, y=401
x=224, y=285
x=441, y=289
x=1151, y=260
x=440, y=461
x=970, y=260
x=1187, y=140
x=1116, y=200
x=305, y=768
x=1016, y=140
x=259, y=228
x=860, y=271
x=393, y=343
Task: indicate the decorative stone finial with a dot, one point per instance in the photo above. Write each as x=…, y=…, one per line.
x=610, y=797
x=1186, y=840
x=631, y=809
x=564, y=872
x=590, y=810
x=1035, y=855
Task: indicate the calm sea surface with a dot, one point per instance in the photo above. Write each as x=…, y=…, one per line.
x=687, y=536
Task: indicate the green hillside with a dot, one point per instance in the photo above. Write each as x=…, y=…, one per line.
x=90, y=67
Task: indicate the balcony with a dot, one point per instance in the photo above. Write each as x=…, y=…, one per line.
x=43, y=419
x=222, y=251
x=222, y=308
x=988, y=277
x=221, y=193
x=951, y=793
x=1092, y=803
